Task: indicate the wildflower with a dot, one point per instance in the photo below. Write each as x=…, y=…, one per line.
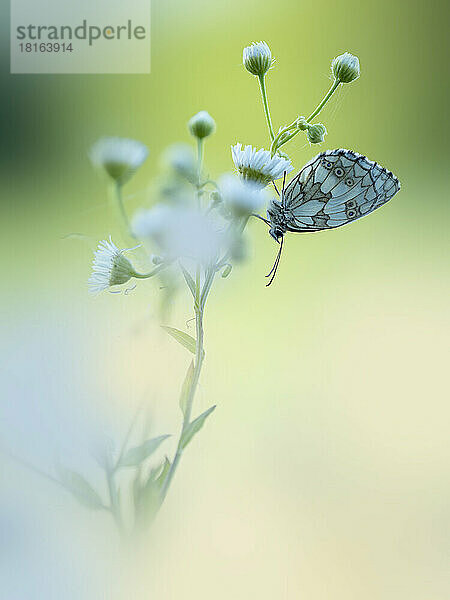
x=109, y=267
x=119, y=157
x=257, y=58
x=259, y=166
x=345, y=68
x=201, y=125
x=241, y=197
x=180, y=231
x=316, y=133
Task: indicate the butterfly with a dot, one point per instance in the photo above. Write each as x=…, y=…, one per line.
x=333, y=189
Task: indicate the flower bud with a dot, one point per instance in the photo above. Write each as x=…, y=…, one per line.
x=226, y=271
x=345, y=68
x=316, y=133
x=302, y=124
x=257, y=58
x=201, y=125
x=216, y=199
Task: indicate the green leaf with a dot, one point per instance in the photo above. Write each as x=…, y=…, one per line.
x=147, y=496
x=194, y=427
x=81, y=489
x=184, y=396
x=135, y=456
x=182, y=338
x=188, y=279
x=163, y=474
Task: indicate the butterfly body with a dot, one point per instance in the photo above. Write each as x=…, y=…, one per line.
x=333, y=189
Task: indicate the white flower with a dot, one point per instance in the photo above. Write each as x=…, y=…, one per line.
x=257, y=58
x=241, y=197
x=180, y=231
x=258, y=165
x=152, y=222
x=120, y=157
x=109, y=267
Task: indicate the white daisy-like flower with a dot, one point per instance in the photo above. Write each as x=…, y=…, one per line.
x=180, y=231
x=119, y=157
x=258, y=165
x=109, y=267
x=240, y=196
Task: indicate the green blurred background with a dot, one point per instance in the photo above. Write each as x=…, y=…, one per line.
x=324, y=471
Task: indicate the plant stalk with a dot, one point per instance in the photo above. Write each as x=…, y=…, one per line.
x=262, y=85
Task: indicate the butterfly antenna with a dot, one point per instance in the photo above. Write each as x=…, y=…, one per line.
x=284, y=185
x=274, y=269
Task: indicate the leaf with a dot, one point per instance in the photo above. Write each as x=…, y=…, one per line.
x=189, y=280
x=147, y=496
x=163, y=474
x=81, y=489
x=182, y=338
x=135, y=456
x=184, y=396
x=194, y=427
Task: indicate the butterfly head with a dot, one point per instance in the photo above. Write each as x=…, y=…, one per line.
x=276, y=233
x=275, y=214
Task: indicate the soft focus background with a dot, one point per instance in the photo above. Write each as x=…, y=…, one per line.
x=323, y=472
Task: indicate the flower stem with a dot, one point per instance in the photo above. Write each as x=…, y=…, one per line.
x=114, y=500
x=128, y=233
x=330, y=92
x=153, y=272
x=201, y=296
x=262, y=85
x=292, y=129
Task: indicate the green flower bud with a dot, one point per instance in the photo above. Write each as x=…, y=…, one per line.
x=257, y=58
x=302, y=124
x=216, y=199
x=345, y=68
x=316, y=133
x=227, y=271
x=201, y=125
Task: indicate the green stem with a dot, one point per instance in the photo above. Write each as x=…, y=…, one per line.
x=153, y=272
x=128, y=233
x=292, y=126
x=330, y=92
x=262, y=85
x=199, y=305
x=114, y=500
x=200, y=298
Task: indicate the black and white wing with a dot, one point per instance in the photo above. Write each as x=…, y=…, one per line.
x=335, y=188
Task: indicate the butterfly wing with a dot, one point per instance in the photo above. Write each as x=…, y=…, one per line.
x=335, y=188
